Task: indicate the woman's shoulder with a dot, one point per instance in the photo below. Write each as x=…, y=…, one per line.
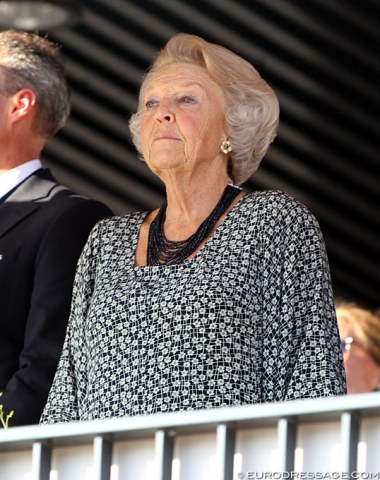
x=272, y=198
x=276, y=211
x=121, y=221
x=275, y=203
x=117, y=225
x=276, y=218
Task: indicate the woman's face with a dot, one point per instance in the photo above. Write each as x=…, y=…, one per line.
x=362, y=372
x=182, y=125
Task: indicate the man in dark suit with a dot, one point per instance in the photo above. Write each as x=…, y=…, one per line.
x=43, y=225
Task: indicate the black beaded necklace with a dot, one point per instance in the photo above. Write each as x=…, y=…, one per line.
x=162, y=251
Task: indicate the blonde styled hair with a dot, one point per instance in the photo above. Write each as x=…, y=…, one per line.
x=252, y=109
x=366, y=325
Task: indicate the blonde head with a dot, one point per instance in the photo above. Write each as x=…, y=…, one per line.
x=252, y=110
x=366, y=326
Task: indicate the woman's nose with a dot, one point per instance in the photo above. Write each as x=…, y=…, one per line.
x=164, y=113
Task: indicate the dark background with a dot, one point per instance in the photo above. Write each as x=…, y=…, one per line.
x=320, y=56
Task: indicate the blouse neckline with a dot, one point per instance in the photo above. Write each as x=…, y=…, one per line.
x=190, y=261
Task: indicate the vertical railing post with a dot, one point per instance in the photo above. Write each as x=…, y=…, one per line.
x=287, y=430
x=225, y=449
x=350, y=439
x=102, y=448
x=41, y=461
x=163, y=446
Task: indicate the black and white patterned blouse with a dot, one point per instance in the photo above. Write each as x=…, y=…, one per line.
x=249, y=319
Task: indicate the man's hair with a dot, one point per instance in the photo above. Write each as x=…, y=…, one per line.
x=30, y=61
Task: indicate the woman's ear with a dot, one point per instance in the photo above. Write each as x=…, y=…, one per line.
x=22, y=104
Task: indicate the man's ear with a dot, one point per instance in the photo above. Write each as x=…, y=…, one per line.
x=23, y=103
x=377, y=388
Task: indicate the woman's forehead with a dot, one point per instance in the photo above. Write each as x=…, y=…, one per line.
x=180, y=75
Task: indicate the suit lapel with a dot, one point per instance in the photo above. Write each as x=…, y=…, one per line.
x=11, y=215
x=24, y=201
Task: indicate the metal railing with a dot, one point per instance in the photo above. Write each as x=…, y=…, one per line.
x=255, y=441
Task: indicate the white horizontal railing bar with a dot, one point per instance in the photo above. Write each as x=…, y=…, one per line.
x=194, y=421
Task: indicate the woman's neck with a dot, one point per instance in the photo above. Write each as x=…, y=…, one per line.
x=188, y=205
x=190, y=202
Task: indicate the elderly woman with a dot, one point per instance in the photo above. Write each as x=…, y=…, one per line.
x=360, y=337
x=219, y=297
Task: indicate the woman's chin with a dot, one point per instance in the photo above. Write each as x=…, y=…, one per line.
x=165, y=162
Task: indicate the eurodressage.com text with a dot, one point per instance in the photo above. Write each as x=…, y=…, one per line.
x=309, y=475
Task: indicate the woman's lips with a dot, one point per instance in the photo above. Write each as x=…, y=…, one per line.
x=165, y=137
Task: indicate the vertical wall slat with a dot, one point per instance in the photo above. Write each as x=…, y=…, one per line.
x=41, y=461
x=287, y=430
x=102, y=449
x=225, y=449
x=163, y=454
x=350, y=439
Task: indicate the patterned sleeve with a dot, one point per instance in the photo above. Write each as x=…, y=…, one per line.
x=62, y=403
x=300, y=328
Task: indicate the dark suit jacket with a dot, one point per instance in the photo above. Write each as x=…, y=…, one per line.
x=43, y=228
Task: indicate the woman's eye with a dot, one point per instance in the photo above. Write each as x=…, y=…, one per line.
x=150, y=103
x=187, y=99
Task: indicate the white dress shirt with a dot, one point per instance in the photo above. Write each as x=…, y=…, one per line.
x=15, y=176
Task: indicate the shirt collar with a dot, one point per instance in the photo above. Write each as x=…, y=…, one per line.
x=15, y=176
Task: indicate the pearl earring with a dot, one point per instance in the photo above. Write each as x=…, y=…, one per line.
x=225, y=147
